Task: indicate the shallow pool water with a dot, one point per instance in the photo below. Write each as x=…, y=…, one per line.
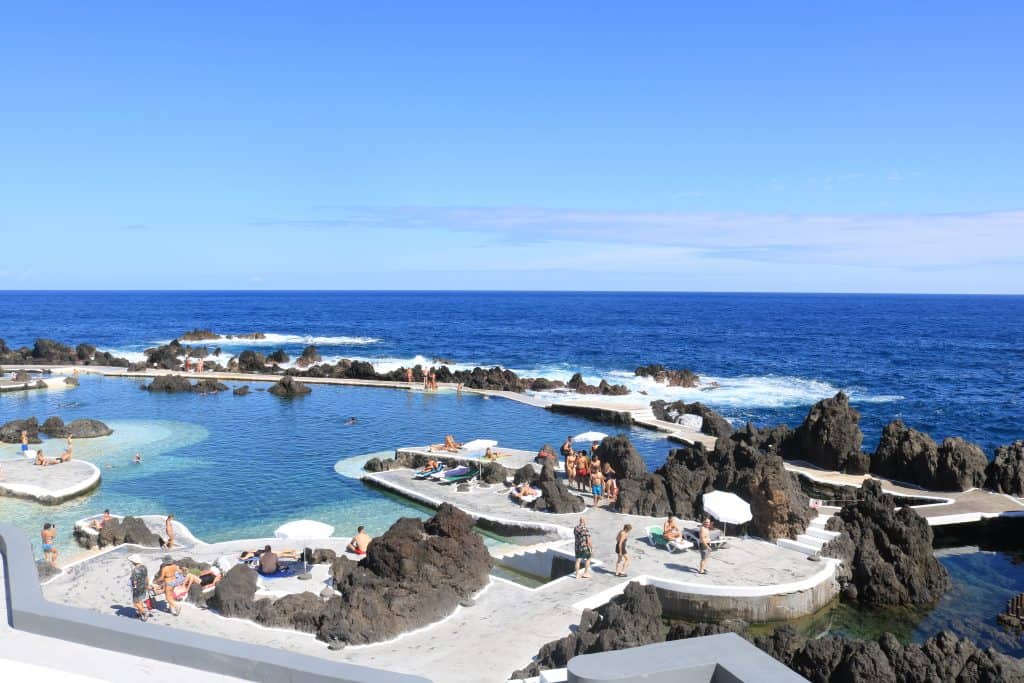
x=239, y=466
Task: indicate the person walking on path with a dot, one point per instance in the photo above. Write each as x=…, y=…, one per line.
x=705, y=544
x=622, y=555
x=584, y=548
x=139, y=580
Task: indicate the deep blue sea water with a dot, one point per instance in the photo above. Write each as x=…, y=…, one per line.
x=949, y=365
x=232, y=467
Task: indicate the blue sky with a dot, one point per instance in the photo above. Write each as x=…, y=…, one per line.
x=764, y=146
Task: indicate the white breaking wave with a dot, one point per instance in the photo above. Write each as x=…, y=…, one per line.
x=273, y=339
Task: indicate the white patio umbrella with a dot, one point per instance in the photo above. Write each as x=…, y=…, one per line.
x=726, y=507
x=303, y=529
x=587, y=437
x=478, y=444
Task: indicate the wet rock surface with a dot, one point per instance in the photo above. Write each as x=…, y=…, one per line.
x=887, y=557
x=673, y=378
x=1005, y=473
x=287, y=387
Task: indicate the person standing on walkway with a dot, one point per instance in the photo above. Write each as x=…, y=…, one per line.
x=621, y=554
x=139, y=580
x=705, y=544
x=570, y=469
x=49, y=535
x=169, y=528
x=584, y=548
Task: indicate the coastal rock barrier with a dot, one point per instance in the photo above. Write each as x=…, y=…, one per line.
x=48, y=351
x=54, y=427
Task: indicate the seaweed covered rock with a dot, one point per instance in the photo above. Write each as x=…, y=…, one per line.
x=712, y=422
x=886, y=554
x=10, y=432
x=830, y=437
x=287, y=387
x=1005, y=473
x=628, y=620
x=943, y=657
x=905, y=454
x=745, y=464
x=414, y=574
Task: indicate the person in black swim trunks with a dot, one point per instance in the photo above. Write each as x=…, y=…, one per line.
x=622, y=555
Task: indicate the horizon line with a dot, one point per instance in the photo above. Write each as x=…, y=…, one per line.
x=506, y=291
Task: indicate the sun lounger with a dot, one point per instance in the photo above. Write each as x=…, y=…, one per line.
x=717, y=540
x=461, y=476
x=656, y=537
x=429, y=473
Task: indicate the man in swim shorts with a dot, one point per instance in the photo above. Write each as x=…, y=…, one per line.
x=359, y=542
x=596, y=486
x=49, y=535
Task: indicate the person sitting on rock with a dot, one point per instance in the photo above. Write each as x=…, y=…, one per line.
x=359, y=542
x=98, y=523
x=671, y=530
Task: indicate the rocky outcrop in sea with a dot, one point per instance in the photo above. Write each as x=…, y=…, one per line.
x=287, y=387
x=1005, y=473
x=175, y=384
x=887, y=557
x=830, y=437
x=673, y=378
x=713, y=424
x=48, y=351
x=905, y=454
x=54, y=427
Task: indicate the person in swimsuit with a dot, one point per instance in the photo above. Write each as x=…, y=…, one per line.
x=98, y=523
x=596, y=486
x=704, y=543
x=671, y=530
x=582, y=471
x=24, y=442
x=359, y=543
x=170, y=576
x=621, y=554
x=49, y=535
x=169, y=528
x=567, y=448
x=41, y=458
x=570, y=469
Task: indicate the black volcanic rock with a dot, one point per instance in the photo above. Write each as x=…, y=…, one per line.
x=619, y=452
x=713, y=423
x=298, y=611
x=493, y=473
x=233, y=596
x=166, y=356
x=745, y=464
x=54, y=427
x=905, y=454
x=673, y=378
x=199, y=335
x=628, y=620
x=242, y=390
x=640, y=492
x=278, y=356
x=414, y=574
x=252, y=361
x=169, y=384
x=127, y=530
x=209, y=386
x=555, y=496
x=10, y=432
x=287, y=387
x=310, y=355
x=86, y=428
x=50, y=351
x=886, y=553
x=830, y=437
x=1005, y=473
x=943, y=657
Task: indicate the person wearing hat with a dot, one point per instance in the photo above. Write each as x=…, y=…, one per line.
x=139, y=580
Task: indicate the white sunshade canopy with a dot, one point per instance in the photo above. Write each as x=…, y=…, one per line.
x=587, y=437
x=477, y=444
x=304, y=528
x=727, y=507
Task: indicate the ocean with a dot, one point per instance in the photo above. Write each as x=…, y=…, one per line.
x=238, y=467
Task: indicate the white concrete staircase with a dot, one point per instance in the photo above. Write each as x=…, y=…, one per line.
x=813, y=540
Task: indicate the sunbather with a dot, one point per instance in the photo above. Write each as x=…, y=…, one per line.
x=523, y=491
x=288, y=554
x=429, y=467
x=450, y=445
x=671, y=530
x=359, y=542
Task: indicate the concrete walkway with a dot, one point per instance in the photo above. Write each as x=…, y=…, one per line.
x=50, y=485
x=949, y=507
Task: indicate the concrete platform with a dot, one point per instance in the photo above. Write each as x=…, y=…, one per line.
x=49, y=485
x=509, y=458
